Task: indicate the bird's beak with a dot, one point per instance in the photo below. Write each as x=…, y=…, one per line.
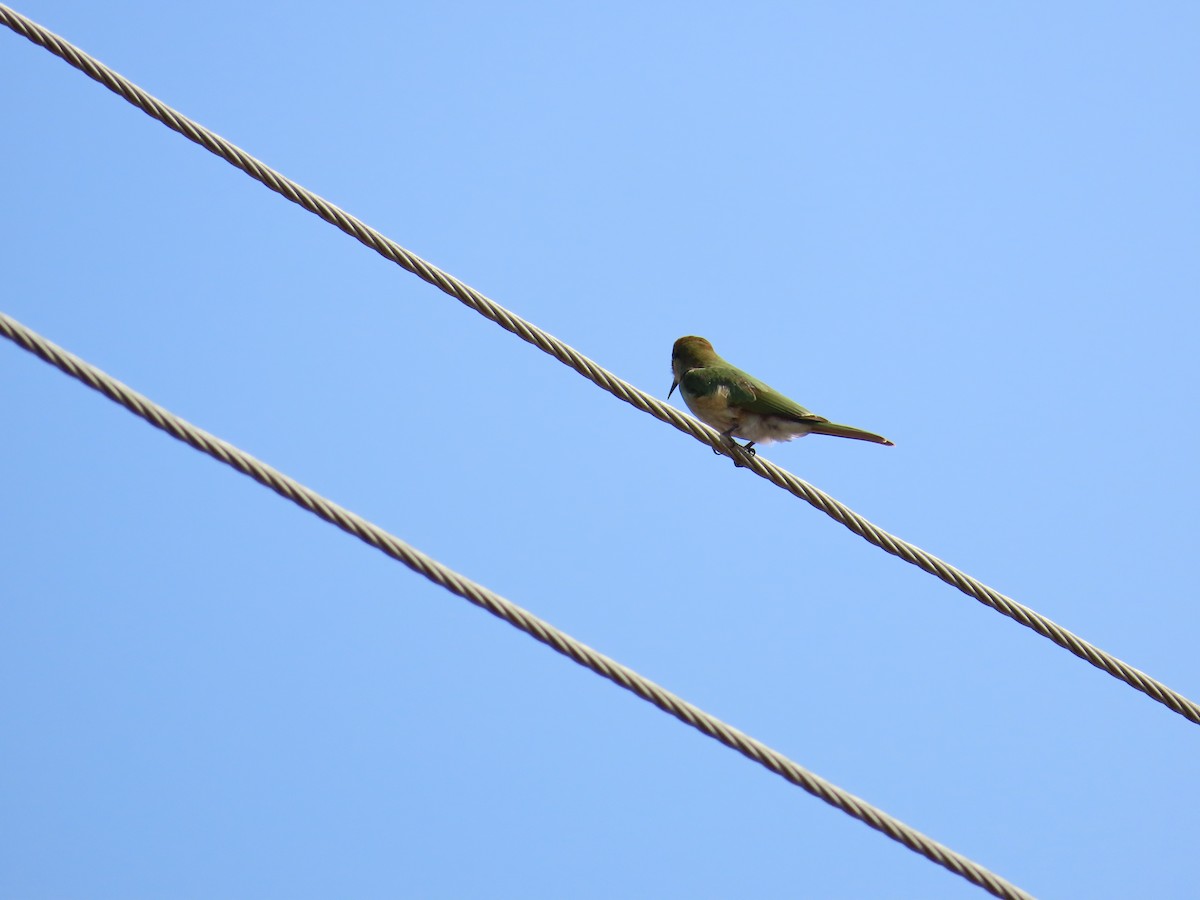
x=674, y=384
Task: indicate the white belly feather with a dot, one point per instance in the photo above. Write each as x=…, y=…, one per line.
x=768, y=429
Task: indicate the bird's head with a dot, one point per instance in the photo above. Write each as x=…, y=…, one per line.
x=689, y=352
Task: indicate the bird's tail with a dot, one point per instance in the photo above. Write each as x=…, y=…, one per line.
x=846, y=431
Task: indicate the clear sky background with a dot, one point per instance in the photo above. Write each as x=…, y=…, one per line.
x=972, y=228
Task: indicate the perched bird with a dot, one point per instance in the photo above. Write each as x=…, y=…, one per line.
x=738, y=405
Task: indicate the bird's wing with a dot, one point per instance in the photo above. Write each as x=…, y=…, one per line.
x=749, y=393
x=756, y=397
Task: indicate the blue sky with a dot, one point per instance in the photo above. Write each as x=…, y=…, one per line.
x=971, y=229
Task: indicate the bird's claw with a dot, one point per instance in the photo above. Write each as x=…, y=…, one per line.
x=733, y=446
x=749, y=451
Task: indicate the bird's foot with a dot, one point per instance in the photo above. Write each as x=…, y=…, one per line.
x=734, y=447
x=748, y=449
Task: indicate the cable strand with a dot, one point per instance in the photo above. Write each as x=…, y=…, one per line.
x=595, y=373
x=504, y=609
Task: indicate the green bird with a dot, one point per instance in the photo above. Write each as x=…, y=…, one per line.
x=738, y=405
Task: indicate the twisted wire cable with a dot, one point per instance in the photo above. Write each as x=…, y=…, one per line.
x=595, y=373
x=505, y=609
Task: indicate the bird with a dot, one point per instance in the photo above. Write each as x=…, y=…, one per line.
x=739, y=405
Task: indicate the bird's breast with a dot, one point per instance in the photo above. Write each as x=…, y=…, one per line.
x=712, y=408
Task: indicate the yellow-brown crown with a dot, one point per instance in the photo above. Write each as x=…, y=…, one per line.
x=691, y=352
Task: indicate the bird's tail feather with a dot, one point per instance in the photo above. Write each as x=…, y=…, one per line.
x=846, y=431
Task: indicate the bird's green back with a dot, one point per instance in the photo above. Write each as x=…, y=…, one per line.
x=745, y=392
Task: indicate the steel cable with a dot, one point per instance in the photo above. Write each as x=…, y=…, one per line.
x=504, y=609
x=595, y=373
